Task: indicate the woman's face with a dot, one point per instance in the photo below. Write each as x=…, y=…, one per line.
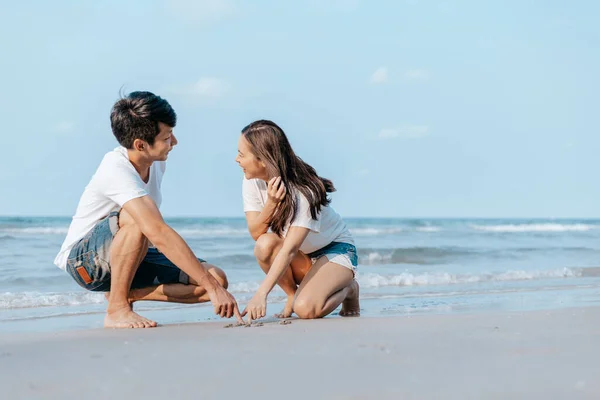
x=253, y=167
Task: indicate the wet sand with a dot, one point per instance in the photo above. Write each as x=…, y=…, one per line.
x=532, y=355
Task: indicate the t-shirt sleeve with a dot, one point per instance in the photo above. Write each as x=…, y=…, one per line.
x=119, y=181
x=251, y=195
x=303, y=217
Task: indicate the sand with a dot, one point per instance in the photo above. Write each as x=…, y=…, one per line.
x=530, y=355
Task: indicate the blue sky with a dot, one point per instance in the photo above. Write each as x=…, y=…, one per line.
x=412, y=108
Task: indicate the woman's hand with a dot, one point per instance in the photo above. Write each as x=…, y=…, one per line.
x=256, y=308
x=276, y=190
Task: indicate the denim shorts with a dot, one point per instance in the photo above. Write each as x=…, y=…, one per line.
x=89, y=261
x=340, y=253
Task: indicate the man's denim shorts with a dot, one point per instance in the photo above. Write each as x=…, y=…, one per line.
x=340, y=253
x=89, y=261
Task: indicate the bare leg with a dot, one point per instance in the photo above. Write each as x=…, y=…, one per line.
x=128, y=249
x=266, y=249
x=324, y=288
x=178, y=292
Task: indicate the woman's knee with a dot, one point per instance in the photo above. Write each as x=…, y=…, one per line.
x=305, y=308
x=266, y=246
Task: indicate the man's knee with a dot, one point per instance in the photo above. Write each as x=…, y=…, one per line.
x=219, y=275
x=304, y=308
x=265, y=246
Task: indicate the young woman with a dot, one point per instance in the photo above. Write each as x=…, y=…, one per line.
x=309, y=251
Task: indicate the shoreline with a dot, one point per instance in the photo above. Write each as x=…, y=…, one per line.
x=549, y=354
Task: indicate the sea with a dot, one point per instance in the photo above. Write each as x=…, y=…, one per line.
x=406, y=267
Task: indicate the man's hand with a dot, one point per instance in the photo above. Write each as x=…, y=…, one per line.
x=276, y=190
x=256, y=308
x=224, y=303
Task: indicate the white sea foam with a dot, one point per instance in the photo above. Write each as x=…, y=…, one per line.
x=535, y=228
x=36, y=230
x=190, y=232
x=212, y=231
x=374, y=231
x=429, y=229
x=371, y=280
x=249, y=287
x=36, y=299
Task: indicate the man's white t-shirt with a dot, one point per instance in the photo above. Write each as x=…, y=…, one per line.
x=115, y=182
x=328, y=227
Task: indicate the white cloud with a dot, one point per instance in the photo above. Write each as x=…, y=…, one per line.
x=380, y=75
x=407, y=132
x=209, y=88
x=64, y=127
x=417, y=74
x=201, y=11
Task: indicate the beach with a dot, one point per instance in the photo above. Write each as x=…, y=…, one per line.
x=450, y=309
x=502, y=355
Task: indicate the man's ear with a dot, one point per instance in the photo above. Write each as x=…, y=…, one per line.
x=139, y=145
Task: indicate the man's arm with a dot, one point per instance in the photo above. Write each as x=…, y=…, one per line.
x=144, y=212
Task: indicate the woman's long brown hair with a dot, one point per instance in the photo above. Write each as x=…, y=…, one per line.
x=270, y=145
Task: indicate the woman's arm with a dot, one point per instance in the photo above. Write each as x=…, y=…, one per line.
x=258, y=222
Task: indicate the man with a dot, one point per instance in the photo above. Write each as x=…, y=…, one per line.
x=118, y=241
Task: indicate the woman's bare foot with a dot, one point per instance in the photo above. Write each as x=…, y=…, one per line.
x=287, y=310
x=124, y=318
x=351, y=305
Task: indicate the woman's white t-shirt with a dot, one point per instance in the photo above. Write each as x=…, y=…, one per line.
x=328, y=227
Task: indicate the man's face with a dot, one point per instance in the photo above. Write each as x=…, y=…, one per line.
x=163, y=144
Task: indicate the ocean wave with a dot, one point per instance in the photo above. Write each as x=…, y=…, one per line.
x=437, y=255
x=189, y=232
x=234, y=259
x=212, y=231
x=411, y=255
x=374, y=231
x=37, y=230
x=249, y=287
x=517, y=228
x=372, y=280
x=10, y=300
x=244, y=290
x=6, y=238
x=429, y=229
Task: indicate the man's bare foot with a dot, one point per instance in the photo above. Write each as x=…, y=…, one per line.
x=131, y=299
x=351, y=305
x=124, y=318
x=288, y=309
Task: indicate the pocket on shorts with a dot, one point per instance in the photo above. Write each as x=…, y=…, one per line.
x=88, y=270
